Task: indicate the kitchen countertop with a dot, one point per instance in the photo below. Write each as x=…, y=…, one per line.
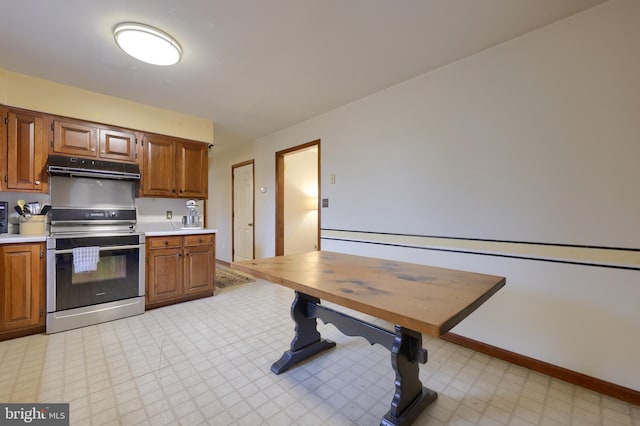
x=154, y=229
x=20, y=238
x=157, y=229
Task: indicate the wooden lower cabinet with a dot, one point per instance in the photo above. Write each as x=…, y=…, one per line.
x=22, y=289
x=199, y=263
x=179, y=268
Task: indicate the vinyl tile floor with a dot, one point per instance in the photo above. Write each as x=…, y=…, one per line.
x=208, y=362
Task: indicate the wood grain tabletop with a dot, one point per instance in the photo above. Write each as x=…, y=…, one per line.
x=423, y=298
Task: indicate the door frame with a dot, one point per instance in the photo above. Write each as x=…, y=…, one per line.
x=233, y=207
x=280, y=192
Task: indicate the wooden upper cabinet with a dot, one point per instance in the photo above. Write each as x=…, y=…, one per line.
x=75, y=138
x=117, y=145
x=192, y=170
x=158, y=166
x=170, y=167
x=78, y=138
x=25, y=152
x=174, y=168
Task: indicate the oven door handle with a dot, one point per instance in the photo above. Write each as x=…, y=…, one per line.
x=133, y=246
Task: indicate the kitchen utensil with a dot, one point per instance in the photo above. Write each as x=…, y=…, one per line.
x=19, y=210
x=45, y=209
x=21, y=204
x=34, y=208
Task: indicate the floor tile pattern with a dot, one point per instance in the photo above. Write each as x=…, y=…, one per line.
x=208, y=362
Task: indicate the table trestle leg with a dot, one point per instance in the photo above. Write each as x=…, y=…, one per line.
x=307, y=341
x=410, y=397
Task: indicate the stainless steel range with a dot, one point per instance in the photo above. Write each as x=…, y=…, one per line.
x=95, y=257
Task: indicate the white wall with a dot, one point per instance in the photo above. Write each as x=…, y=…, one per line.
x=532, y=141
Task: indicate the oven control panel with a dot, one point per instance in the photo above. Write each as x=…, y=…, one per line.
x=88, y=215
x=101, y=214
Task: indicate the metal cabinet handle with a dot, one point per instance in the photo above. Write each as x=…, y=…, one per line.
x=37, y=182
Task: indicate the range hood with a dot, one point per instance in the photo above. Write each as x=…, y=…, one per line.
x=83, y=167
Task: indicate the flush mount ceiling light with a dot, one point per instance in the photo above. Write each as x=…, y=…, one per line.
x=147, y=44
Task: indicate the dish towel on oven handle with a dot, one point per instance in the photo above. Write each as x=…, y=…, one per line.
x=85, y=259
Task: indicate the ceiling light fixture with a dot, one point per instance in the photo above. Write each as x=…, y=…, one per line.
x=147, y=44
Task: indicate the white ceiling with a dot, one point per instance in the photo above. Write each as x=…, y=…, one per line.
x=256, y=66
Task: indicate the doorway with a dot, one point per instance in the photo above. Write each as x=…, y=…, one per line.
x=297, y=199
x=242, y=211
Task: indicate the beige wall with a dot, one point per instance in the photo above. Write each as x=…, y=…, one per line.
x=23, y=91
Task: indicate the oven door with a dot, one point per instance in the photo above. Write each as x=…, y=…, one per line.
x=119, y=274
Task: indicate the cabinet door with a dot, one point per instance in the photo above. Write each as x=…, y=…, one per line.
x=192, y=181
x=199, y=269
x=158, y=165
x=21, y=281
x=164, y=274
x=75, y=138
x=117, y=146
x=25, y=151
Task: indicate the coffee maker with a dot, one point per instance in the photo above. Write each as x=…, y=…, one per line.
x=192, y=219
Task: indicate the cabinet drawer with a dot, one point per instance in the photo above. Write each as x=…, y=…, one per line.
x=164, y=242
x=196, y=240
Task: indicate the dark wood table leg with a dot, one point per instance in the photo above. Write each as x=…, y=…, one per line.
x=307, y=341
x=410, y=397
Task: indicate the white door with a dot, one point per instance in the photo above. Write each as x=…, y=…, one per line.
x=243, y=212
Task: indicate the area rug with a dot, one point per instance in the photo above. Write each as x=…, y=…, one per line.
x=226, y=277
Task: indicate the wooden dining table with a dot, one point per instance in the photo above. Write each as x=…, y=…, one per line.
x=418, y=299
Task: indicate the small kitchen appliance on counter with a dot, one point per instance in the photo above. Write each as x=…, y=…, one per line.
x=4, y=217
x=192, y=219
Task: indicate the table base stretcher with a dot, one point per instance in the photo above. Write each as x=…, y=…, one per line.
x=410, y=397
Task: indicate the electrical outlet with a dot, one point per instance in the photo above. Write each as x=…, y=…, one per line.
x=169, y=214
